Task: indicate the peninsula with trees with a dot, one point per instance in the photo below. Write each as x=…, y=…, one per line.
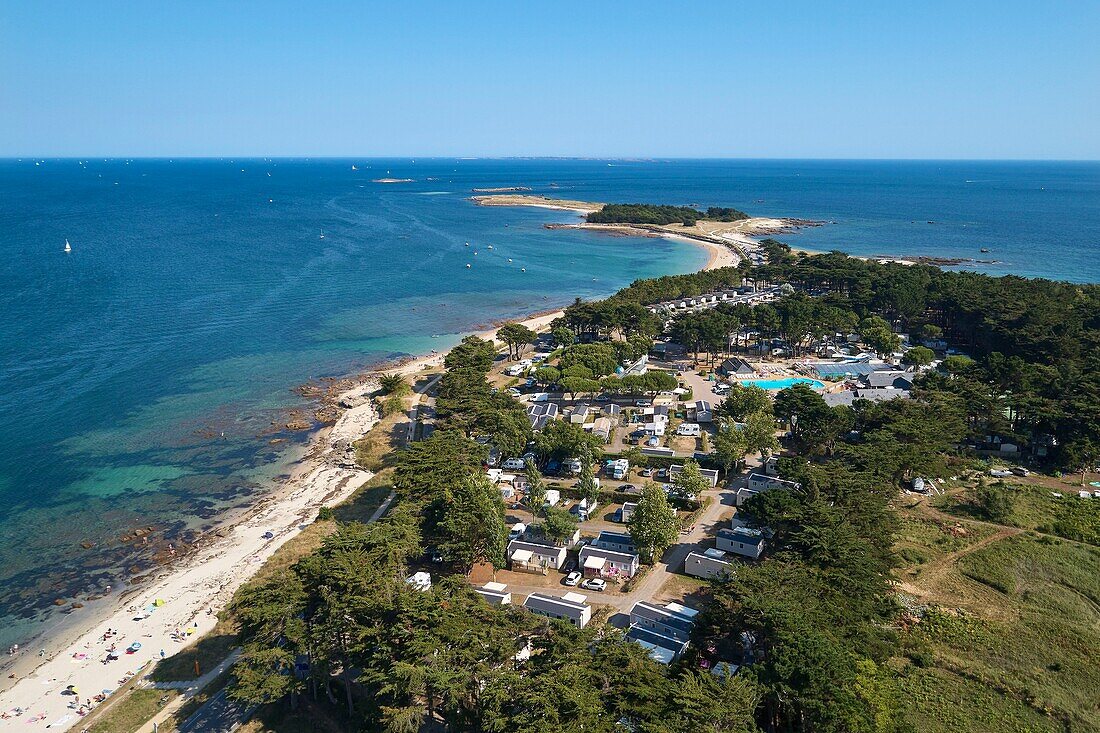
x=849, y=496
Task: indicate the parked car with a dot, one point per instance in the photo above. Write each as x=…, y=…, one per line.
x=514, y=392
x=569, y=566
x=1020, y=471
x=573, y=578
x=596, y=584
x=628, y=488
x=643, y=403
x=647, y=472
x=514, y=464
x=603, y=397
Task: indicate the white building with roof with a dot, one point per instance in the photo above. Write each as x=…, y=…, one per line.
x=495, y=594
x=597, y=562
x=741, y=541
x=572, y=607
x=533, y=557
x=710, y=474
x=710, y=563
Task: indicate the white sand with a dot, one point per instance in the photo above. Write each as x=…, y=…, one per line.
x=203, y=581
x=206, y=580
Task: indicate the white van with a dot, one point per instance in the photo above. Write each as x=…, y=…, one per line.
x=689, y=429
x=514, y=464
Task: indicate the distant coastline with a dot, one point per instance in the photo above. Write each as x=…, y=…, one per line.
x=738, y=236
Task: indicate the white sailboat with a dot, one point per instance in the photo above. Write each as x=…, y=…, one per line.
x=68, y=247
x=322, y=234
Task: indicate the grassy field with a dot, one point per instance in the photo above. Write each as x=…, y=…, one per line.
x=1012, y=645
x=130, y=714
x=922, y=539
x=1035, y=506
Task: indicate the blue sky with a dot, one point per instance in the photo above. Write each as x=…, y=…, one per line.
x=725, y=79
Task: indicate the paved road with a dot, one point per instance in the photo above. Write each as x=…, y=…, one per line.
x=218, y=715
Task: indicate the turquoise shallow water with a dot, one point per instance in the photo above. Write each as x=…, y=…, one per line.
x=146, y=372
x=143, y=372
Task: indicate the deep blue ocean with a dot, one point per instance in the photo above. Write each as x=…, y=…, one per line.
x=143, y=375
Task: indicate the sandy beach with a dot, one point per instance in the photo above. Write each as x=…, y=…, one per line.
x=726, y=243
x=175, y=609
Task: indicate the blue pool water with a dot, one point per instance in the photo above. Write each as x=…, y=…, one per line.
x=782, y=383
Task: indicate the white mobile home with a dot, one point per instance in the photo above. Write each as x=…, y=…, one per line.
x=572, y=607
x=495, y=594
x=672, y=620
x=762, y=482
x=741, y=541
x=710, y=474
x=532, y=557
x=599, y=563
x=711, y=563
x=663, y=649
x=615, y=541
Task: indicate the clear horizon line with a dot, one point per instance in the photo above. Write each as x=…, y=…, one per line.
x=634, y=158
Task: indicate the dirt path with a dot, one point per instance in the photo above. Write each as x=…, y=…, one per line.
x=933, y=572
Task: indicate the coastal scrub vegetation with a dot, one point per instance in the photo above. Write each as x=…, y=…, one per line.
x=661, y=214
x=822, y=641
x=1031, y=373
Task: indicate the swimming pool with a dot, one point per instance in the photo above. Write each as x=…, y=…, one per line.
x=782, y=383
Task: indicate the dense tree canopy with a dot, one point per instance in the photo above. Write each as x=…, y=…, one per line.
x=659, y=214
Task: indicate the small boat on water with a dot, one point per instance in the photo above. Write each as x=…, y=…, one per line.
x=467, y=265
x=490, y=246
x=983, y=250
x=68, y=247
x=322, y=234
x=354, y=168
